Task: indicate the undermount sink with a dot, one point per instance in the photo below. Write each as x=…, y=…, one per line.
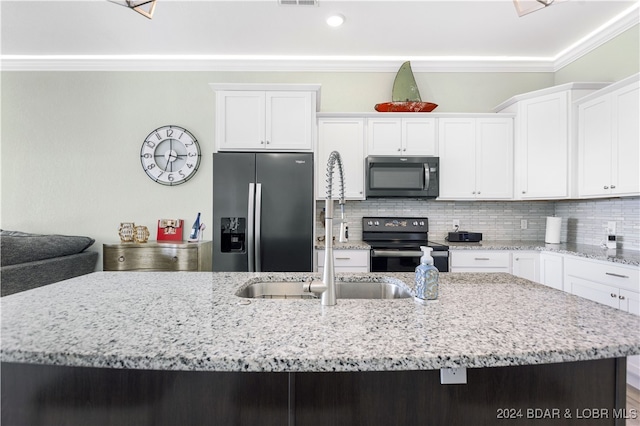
x=345, y=290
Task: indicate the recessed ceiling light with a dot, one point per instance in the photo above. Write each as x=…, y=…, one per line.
x=335, y=20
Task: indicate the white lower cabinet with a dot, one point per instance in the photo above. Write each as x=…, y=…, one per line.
x=617, y=286
x=526, y=264
x=346, y=260
x=479, y=261
x=604, y=282
x=551, y=270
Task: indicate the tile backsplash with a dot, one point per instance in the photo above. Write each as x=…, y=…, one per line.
x=584, y=221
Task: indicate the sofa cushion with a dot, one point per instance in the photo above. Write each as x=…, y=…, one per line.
x=19, y=247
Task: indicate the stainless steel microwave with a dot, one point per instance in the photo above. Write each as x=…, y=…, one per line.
x=412, y=177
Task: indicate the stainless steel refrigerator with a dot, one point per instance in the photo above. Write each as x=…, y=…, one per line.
x=263, y=212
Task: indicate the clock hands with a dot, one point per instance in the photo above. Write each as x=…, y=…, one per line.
x=168, y=159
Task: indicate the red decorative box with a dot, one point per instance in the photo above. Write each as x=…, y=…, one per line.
x=170, y=229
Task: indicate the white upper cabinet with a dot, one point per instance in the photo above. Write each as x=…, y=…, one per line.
x=544, y=140
x=401, y=136
x=345, y=135
x=543, y=147
x=476, y=158
x=609, y=141
x=282, y=119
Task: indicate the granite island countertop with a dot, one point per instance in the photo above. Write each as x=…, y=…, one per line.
x=194, y=321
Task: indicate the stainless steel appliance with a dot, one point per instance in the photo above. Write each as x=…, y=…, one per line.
x=395, y=243
x=464, y=236
x=389, y=176
x=263, y=212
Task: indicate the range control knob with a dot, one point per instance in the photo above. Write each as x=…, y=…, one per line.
x=422, y=223
x=415, y=223
x=376, y=223
x=370, y=223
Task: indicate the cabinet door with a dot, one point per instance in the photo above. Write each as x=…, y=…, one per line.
x=240, y=120
x=543, y=147
x=346, y=136
x=494, y=158
x=551, y=270
x=457, y=151
x=384, y=136
x=629, y=301
x=594, y=146
x=626, y=140
x=526, y=265
x=597, y=292
x=419, y=136
x=289, y=121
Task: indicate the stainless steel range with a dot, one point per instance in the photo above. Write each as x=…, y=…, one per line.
x=395, y=243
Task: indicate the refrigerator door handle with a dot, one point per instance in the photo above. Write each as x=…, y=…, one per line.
x=250, y=225
x=258, y=220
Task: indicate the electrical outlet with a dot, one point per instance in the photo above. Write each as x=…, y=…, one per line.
x=611, y=228
x=523, y=224
x=456, y=223
x=453, y=376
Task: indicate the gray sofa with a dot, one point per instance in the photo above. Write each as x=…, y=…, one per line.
x=31, y=260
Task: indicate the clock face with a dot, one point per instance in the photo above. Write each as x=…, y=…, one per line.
x=170, y=155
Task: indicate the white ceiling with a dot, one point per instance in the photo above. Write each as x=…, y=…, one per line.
x=263, y=35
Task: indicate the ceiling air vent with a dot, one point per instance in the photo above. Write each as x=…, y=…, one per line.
x=298, y=2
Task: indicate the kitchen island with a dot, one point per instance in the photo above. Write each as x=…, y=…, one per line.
x=182, y=348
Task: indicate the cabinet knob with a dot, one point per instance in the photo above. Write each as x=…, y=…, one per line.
x=399, y=150
x=606, y=187
x=613, y=187
x=174, y=259
x=524, y=192
x=614, y=295
x=268, y=142
x=478, y=192
x=121, y=259
x=261, y=142
x=404, y=149
x=474, y=192
x=621, y=297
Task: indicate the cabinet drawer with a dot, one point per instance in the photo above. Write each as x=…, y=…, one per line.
x=347, y=258
x=358, y=269
x=155, y=258
x=480, y=259
x=604, y=272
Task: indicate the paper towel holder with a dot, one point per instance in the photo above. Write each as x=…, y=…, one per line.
x=554, y=226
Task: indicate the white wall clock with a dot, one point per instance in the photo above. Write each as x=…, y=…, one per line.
x=170, y=155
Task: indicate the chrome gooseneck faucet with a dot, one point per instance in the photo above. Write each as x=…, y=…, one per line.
x=327, y=288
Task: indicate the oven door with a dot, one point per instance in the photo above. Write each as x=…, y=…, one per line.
x=405, y=260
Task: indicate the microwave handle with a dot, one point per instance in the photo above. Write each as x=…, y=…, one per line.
x=426, y=175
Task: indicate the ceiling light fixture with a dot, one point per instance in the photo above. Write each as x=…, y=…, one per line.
x=140, y=5
x=524, y=7
x=335, y=20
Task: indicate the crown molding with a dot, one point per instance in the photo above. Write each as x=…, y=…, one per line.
x=320, y=64
x=598, y=38
x=267, y=64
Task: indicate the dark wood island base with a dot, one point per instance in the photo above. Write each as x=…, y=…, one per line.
x=575, y=393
